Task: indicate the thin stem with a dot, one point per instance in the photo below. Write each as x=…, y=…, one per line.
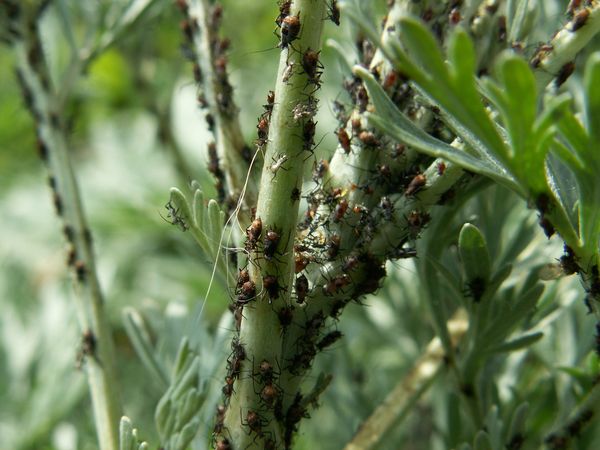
x=97, y=345
x=408, y=391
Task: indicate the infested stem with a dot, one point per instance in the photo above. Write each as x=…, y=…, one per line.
x=97, y=348
x=284, y=154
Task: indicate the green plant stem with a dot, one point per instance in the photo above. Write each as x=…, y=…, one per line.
x=228, y=132
x=400, y=401
x=566, y=44
x=260, y=329
x=99, y=360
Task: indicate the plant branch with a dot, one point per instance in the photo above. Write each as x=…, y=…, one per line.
x=97, y=350
x=408, y=391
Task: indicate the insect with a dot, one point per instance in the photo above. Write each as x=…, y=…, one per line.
x=271, y=241
x=329, y=339
x=301, y=288
x=253, y=233
x=334, y=12
x=290, y=27
x=580, y=19
x=278, y=164
x=271, y=285
x=247, y=293
x=312, y=66
x=564, y=73
x=344, y=140
x=415, y=185
x=87, y=348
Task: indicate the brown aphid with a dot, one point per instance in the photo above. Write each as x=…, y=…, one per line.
x=572, y=7
x=415, y=185
x=340, y=210
x=223, y=444
x=254, y=422
x=300, y=262
x=182, y=5
x=301, y=288
x=568, y=262
x=454, y=17
x=350, y=264
x=263, y=130
x=312, y=66
x=197, y=73
x=320, y=169
x=502, y=28
x=344, y=140
x=80, y=270
x=308, y=134
x=87, y=348
x=247, y=293
x=441, y=168
x=271, y=285
x=580, y=19
x=290, y=27
x=547, y=227
x=253, y=232
x=416, y=221
x=269, y=394
x=271, y=241
x=284, y=11
x=285, y=316
x=243, y=277
x=368, y=138
x=333, y=247
x=564, y=73
x=390, y=80
x=187, y=29
x=356, y=125
x=295, y=196
x=334, y=12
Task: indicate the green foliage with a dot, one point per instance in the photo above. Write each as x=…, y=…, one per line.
x=523, y=374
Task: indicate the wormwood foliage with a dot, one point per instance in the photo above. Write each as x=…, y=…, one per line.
x=405, y=276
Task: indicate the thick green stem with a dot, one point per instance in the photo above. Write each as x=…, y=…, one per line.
x=97, y=350
x=286, y=150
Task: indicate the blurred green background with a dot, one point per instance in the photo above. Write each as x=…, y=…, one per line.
x=114, y=115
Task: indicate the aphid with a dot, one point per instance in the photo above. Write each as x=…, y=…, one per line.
x=176, y=219
x=580, y=19
x=547, y=227
x=568, y=262
x=340, y=210
x=300, y=262
x=454, y=17
x=334, y=12
x=253, y=233
x=572, y=7
x=397, y=151
x=42, y=150
x=182, y=5
x=362, y=98
x=223, y=444
x=308, y=134
x=254, y=422
x=337, y=283
x=564, y=73
x=333, y=247
x=476, y=288
x=197, y=73
x=387, y=208
x=271, y=285
x=227, y=390
x=69, y=233
x=301, y=288
x=285, y=316
x=344, y=139
x=288, y=72
x=295, y=194
x=269, y=105
x=312, y=66
x=80, y=270
x=416, y=221
x=247, y=293
x=502, y=28
x=290, y=27
x=368, y=138
x=58, y=204
x=390, y=80
x=269, y=394
x=350, y=264
x=441, y=168
x=329, y=339
x=278, y=164
x=339, y=110
x=187, y=29
x=271, y=241
x=87, y=348
x=263, y=131
x=415, y=185
x=284, y=11
x=320, y=169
